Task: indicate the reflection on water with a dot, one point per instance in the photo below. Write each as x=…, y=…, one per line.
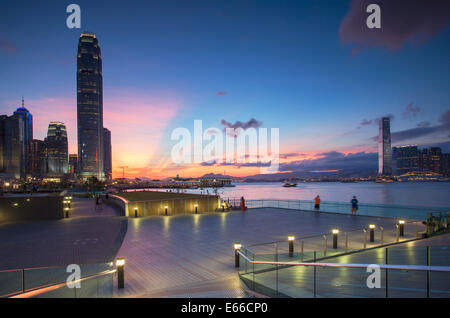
x=433, y=194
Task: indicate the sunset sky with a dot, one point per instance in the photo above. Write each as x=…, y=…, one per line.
x=310, y=68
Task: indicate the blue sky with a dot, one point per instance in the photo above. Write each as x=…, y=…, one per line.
x=283, y=63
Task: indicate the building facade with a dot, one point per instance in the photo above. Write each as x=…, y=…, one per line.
x=56, y=149
x=405, y=159
x=384, y=147
x=12, y=152
x=107, y=151
x=27, y=122
x=90, y=107
x=35, y=158
x=73, y=164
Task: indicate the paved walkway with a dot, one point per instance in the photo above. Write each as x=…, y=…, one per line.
x=169, y=256
x=87, y=237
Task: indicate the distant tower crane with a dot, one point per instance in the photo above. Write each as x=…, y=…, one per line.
x=123, y=171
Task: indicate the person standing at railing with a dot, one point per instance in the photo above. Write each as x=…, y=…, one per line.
x=317, y=203
x=354, y=203
x=243, y=207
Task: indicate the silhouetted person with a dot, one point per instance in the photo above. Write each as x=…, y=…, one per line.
x=354, y=203
x=317, y=203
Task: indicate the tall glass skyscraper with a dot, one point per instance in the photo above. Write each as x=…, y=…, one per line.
x=27, y=120
x=57, y=149
x=107, y=153
x=384, y=147
x=90, y=107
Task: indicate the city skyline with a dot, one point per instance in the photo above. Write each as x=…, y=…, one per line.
x=322, y=115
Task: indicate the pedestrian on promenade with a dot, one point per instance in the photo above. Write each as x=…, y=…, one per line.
x=354, y=203
x=96, y=202
x=243, y=207
x=317, y=203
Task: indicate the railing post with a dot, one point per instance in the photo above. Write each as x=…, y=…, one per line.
x=276, y=268
x=386, y=273
x=302, y=251
x=23, y=280
x=397, y=234
x=365, y=238
x=346, y=241
x=325, y=245
x=428, y=272
x=315, y=269
x=382, y=235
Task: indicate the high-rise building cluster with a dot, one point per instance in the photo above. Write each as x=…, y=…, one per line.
x=412, y=159
x=22, y=157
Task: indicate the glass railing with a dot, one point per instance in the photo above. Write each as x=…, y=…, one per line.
x=378, y=210
x=96, y=280
x=426, y=274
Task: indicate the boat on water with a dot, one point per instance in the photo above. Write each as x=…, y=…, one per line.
x=289, y=184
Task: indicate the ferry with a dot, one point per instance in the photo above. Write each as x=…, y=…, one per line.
x=289, y=184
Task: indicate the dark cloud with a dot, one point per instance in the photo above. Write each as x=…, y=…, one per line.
x=411, y=111
x=291, y=154
x=334, y=160
x=238, y=126
x=223, y=93
x=402, y=21
x=376, y=121
x=6, y=45
x=424, y=124
x=423, y=129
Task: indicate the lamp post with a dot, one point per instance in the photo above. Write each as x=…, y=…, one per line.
x=120, y=264
x=166, y=208
x=335, y=238
x=196, y=208
x=66, y=210
x=372, y=232
x=237, y=247
x=291, y=239
x=402, y=227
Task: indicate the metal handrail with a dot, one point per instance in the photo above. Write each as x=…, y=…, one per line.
x=47, y=288
x=382, y=266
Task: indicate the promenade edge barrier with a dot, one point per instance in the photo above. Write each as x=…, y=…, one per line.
x=96, y=281
x=426, y=275
x=364, y=209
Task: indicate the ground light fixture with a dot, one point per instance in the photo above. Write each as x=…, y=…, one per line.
x=136, y=212
x=291, y=239
x=66, y=210
x=237, y=246
x=120, y=264
x=196, y=208
x=335, y=233
x=402, y=227
x=166, y=208
x=372, y=232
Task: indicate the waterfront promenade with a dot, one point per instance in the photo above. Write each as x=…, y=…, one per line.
x=192, y=255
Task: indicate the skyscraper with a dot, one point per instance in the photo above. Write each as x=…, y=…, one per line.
x=57, y=149
x=90, y=107
x=384, y=147
x=406, y=159
x=73, y=164
x=12, y=162
x=107, y=161
x=36, y=159
x=27, y=122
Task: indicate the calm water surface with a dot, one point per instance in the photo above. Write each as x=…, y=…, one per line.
x=430, y=194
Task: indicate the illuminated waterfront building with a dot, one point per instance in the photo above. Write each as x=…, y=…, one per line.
x=90, y=107
x=56, y=149
x=384, y=147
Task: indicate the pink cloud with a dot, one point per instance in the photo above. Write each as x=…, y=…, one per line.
x=402, y=21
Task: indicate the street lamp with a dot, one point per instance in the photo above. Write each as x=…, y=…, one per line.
x=402, y=227
x=335, y=238
x=120, y=264
x=372, y=232
x=237, y=247
x=291, y=239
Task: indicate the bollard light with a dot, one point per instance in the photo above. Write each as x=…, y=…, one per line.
x=223, y=207
x=136, y=212
x=291, y=239
x=66, y=210
x=402, y=227
x=237, y=247
x=372, y=232
x=120, y=264
x=196, y=208
x=166, y=208
x=335, y=238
